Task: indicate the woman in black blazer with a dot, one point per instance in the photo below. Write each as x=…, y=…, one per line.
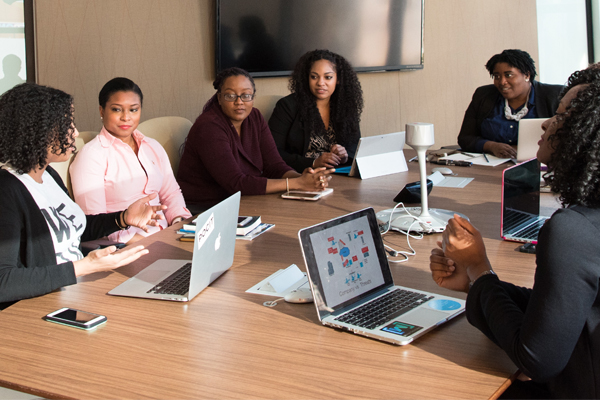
x=318, y=124
x=491, y=122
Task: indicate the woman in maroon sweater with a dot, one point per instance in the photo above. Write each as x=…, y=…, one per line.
x=230, y=149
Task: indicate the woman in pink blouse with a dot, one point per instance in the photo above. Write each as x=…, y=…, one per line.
x=121, y=165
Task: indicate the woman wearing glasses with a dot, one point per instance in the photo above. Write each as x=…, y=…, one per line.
x=230, y=149
x=121, y=165
x=491, y=122
x=318, y=124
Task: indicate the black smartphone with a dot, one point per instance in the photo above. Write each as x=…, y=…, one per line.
x=75, y=318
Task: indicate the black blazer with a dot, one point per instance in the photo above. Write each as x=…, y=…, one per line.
x=292, y=137
x=27, y=258
x=484, y=100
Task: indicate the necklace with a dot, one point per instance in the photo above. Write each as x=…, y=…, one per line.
x=516, y=117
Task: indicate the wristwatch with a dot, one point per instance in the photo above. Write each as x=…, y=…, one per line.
x=488, y=272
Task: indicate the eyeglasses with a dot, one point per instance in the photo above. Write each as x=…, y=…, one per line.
x=233, y=97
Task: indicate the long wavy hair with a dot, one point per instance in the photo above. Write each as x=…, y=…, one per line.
x=33, y=120
x=574, y=167
x=346, y=103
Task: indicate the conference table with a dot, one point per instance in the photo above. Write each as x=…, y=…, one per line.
x=226, y=344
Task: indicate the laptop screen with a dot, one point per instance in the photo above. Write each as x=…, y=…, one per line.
x=345, y=259
x=520, y=192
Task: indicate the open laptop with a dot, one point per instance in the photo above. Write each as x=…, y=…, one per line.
x=182, y=280
x=352, y=283
x=377, y=156
x=521, y=220
x=530, y=132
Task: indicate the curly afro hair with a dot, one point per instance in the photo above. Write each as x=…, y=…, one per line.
x=346, y=103
x=33, y=120
x=574, y=167
x=220, y=80
x=518, y=59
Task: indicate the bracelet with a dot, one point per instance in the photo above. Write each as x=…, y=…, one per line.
x=287, y=185
x=121, y=217
x=488, y=272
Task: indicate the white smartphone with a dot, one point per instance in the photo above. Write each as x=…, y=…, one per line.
x=76, y=318
x=311, y=196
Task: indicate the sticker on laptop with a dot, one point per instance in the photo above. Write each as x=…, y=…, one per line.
x=444, y=304
x=204, y=232
x=401, y=328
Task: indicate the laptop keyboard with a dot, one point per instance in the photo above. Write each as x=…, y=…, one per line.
x=178, y=283
x=384, y=308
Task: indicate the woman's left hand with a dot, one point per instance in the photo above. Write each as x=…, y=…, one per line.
x=140, y=214
x=316, y=179
x=340, y=151
x=463, y=243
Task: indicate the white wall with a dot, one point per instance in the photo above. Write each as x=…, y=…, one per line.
x=562, y=39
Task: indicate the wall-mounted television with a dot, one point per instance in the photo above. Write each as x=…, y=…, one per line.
x=267, y=37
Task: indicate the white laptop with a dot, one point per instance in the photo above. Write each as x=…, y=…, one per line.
x=379, y=155
x=182, y=280
x=530, y=132
x=352, y=283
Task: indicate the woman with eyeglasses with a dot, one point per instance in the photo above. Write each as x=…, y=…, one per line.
x=491, y=123
x=230, y=148
x=318, y=124
x=121, y=165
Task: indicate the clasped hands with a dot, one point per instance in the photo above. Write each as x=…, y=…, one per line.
x=317, y=178
x=337, y=155
x=461, y=256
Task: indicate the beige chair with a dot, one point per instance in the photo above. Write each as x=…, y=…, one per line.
x=170, y=132
x=87, y=136
x=266, y=104
x=63, y=167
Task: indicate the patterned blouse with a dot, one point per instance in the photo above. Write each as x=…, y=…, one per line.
x=320, y=143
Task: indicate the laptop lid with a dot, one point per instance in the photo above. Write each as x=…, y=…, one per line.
x=345, y=261
x=530, y=131
x=379, y=155
x=520, y=217
x=213, y=252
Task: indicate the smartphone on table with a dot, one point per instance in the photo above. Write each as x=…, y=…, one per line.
x=302, y=195
x=76, y=318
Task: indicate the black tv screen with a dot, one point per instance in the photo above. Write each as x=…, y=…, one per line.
x=267, y=37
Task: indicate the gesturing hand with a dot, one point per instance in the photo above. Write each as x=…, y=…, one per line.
x=141, y=214
x=463, y=243
x=446, y=273
x=106, y=259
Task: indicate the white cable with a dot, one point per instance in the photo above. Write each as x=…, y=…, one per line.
x=395, y=253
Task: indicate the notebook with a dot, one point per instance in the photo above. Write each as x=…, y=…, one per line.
x=349, y=275
x=521, y=220
x=377, y=156
x=214, y=245
x=530, y=132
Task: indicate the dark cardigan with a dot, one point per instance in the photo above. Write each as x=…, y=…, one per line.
x=27, y=258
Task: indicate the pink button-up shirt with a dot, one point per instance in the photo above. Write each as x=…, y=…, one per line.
x=107, y=176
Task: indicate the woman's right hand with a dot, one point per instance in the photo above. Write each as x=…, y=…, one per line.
x=446, y=273
x=500, y=150
x=314, y=179
x=107, y=259
x=327, y=160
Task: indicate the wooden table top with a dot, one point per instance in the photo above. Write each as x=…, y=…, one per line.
x=226, y=344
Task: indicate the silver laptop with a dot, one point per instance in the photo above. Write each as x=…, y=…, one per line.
x=377, y=156
x=530, y=132
x=520, y=220
x=182, y=280
x=353, y=288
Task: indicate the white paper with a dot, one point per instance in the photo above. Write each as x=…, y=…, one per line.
x=440, y=180
x=477, y=159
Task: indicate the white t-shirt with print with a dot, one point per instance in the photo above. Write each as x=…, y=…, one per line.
x=66, y=221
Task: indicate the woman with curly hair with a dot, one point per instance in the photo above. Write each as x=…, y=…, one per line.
x=491, y=122
x=120, y=164
x=40, y=226
x=318, y=124
x=550, y=331
x=230, y=149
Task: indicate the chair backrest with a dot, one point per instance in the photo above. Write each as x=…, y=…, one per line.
x=266, y=104
x=63, y=167
x=87, y=135
x=170, y=132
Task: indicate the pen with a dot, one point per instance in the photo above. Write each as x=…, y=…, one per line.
x=413, y=159
x=486, y=159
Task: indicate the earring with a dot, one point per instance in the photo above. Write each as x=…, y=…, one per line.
x=526, y=79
